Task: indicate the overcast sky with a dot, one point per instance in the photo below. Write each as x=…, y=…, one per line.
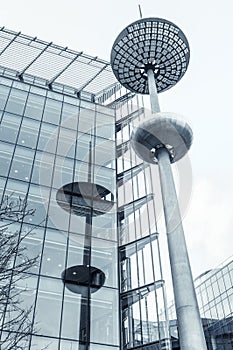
x=203, y=96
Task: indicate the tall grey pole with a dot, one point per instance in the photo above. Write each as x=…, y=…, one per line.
x=154, y=101
x=191, y=333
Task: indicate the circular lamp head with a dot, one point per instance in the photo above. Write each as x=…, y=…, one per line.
x=150, y=43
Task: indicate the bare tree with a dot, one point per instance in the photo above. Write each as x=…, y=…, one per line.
x=15, y=320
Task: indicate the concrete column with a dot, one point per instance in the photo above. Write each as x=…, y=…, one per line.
x=191, y=333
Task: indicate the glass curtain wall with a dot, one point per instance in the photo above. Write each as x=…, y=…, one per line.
x=215, y=298
x=142, y=289
x=45, y=142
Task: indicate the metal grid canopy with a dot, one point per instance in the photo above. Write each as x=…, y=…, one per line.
x=54, y=66
x=150, y=43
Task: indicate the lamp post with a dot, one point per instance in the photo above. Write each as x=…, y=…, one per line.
x=150, y=56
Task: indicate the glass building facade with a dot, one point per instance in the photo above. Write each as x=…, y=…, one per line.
x=66, y=121
x=214, y=290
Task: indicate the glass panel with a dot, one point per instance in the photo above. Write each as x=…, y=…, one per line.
x=16, y=188
x=68, y=344
x=22, y=295
x=6, y=152
x=28, y=133
x=16, y=101
x=48, y=138
x=87, y=120
x=33, y=243
x=105, y=126
x=54, y=253
x=4, y=91
x=57, y=217
x=71, y=315
x=22, y=164
x=38, y=197
x=48, y=306
x=66, y=143
x=105, y=153
x=107, y=178
x=63, y=172
x=40, y=343
x=81, y=171
x=102, y=347
x=83, y=147
x=104, y=316
x=104, y=226
x=52, y=111
x=104, y=257
x=9, y=127
x=43, y=168
x=35, y=105
x=69, y=118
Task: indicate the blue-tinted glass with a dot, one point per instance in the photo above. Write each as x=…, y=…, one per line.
x=66, y=143
x=40, y=343
x=52, y=111
x=48, y=138
x=63, y=172
x=48, y=306
x=106, y=178
x=38, y=197
x=33, y=244
x=16, y=101
x=22, y=164
x=4, y=91
x=86, y=121
x=70, y=324
x=21, y=86
x=69, y=117
x=28, y=133
x=43, y=168
x=104, y=316
x=85, y=144
x=34, y=107
x=54, y=253
x=105, y=126
x=81, y=171
x=6, y=151
x=9, y=127
x=58, y=218
x=105, y=153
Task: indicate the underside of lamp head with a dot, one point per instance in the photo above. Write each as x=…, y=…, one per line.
x=153, y=43
x=162, y=131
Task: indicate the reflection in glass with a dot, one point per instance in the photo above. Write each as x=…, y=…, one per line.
x=52, y=111
x=9, y=127
x=34, y=107
x=16, y=101
x=48, y=306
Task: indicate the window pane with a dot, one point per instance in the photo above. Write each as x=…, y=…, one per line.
x=22, y=164
x=4, y=91
x=48, y=306
x=6, y=151
x=86, y=121
x=16, y=101
x=104, y=316
x=9, y=127
x=54, y=253
x=39, y=343
x=48, y=138
x=28, y=133
x=66, y=143
x=35, y=105
x=52, y=111
x=43, y=168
